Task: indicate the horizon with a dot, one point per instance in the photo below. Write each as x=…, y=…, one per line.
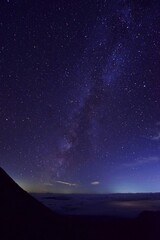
x=92, y=193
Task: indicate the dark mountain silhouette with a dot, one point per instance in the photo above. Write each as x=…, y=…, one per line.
x=23, y=217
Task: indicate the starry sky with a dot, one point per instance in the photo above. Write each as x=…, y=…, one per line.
x=80, y=95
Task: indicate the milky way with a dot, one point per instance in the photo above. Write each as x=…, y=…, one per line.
x=80, y=95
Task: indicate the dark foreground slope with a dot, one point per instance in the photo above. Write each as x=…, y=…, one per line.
x=23, y=217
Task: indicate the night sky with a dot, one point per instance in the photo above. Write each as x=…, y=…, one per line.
x=80, y=95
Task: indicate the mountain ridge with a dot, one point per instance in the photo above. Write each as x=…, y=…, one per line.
x=22, y=217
